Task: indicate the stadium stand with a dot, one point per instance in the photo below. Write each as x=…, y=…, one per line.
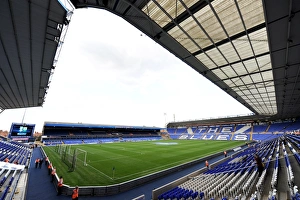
x=232, y=177
x=226, y=132
x=14, y=159
x=237, y=177
x=249, y=49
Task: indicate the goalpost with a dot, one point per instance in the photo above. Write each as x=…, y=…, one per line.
x=61, y=148
x=66, y=154
x=72, y=159
x=79, y=158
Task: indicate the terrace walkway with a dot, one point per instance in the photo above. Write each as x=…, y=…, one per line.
x=40, y=187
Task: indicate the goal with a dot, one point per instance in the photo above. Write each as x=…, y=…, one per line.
x=66, y=155
x=62, y=148
x=72, y=158
x=79, y=158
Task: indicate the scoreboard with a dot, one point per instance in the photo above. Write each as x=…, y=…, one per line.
x=21, y=130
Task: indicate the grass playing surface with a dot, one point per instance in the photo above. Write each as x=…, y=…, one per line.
x=113, y=163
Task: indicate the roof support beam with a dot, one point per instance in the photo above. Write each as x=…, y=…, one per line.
x=183, y=16
x=243, y=60
x=248, y=74
x=234, y=37
x=128, y=8
x=116, y=4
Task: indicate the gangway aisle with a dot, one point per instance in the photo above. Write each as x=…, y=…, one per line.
x=267, y=182
x=295, y=166
x=39, y=185
x=282, y=187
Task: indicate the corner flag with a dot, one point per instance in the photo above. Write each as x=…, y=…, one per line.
x=113, y=172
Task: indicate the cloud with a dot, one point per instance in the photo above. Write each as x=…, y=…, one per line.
x=107, y=73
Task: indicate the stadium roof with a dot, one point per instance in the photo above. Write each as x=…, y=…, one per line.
x=83, y=125
x=30, y=38
x=246, y=119
x=249, y=48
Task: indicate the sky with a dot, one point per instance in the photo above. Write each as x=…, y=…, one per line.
x=110, y=73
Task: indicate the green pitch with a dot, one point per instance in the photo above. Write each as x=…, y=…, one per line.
x=113, y=163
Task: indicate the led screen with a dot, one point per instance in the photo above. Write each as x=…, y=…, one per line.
x=21, y=130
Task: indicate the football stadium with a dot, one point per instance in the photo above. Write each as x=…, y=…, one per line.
x=247, y=48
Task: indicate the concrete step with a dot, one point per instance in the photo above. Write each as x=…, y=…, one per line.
x=283, y=195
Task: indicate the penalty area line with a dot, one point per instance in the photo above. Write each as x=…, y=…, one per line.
x=100, y=172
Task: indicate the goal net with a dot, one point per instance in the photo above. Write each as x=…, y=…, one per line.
x=72, y=158
x=61, y=148
x=79, y=158
x=66, y=154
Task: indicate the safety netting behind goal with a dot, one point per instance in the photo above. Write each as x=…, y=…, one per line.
x=66, y=155
x=79, y=158
x=72, y=157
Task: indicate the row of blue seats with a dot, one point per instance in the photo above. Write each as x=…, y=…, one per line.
x=227, y=136
x=296, y=196
x=233, y=165
x=275, y=127
x=13, y=151
x=295, y=140
x=179, y=193
x=100, y=140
